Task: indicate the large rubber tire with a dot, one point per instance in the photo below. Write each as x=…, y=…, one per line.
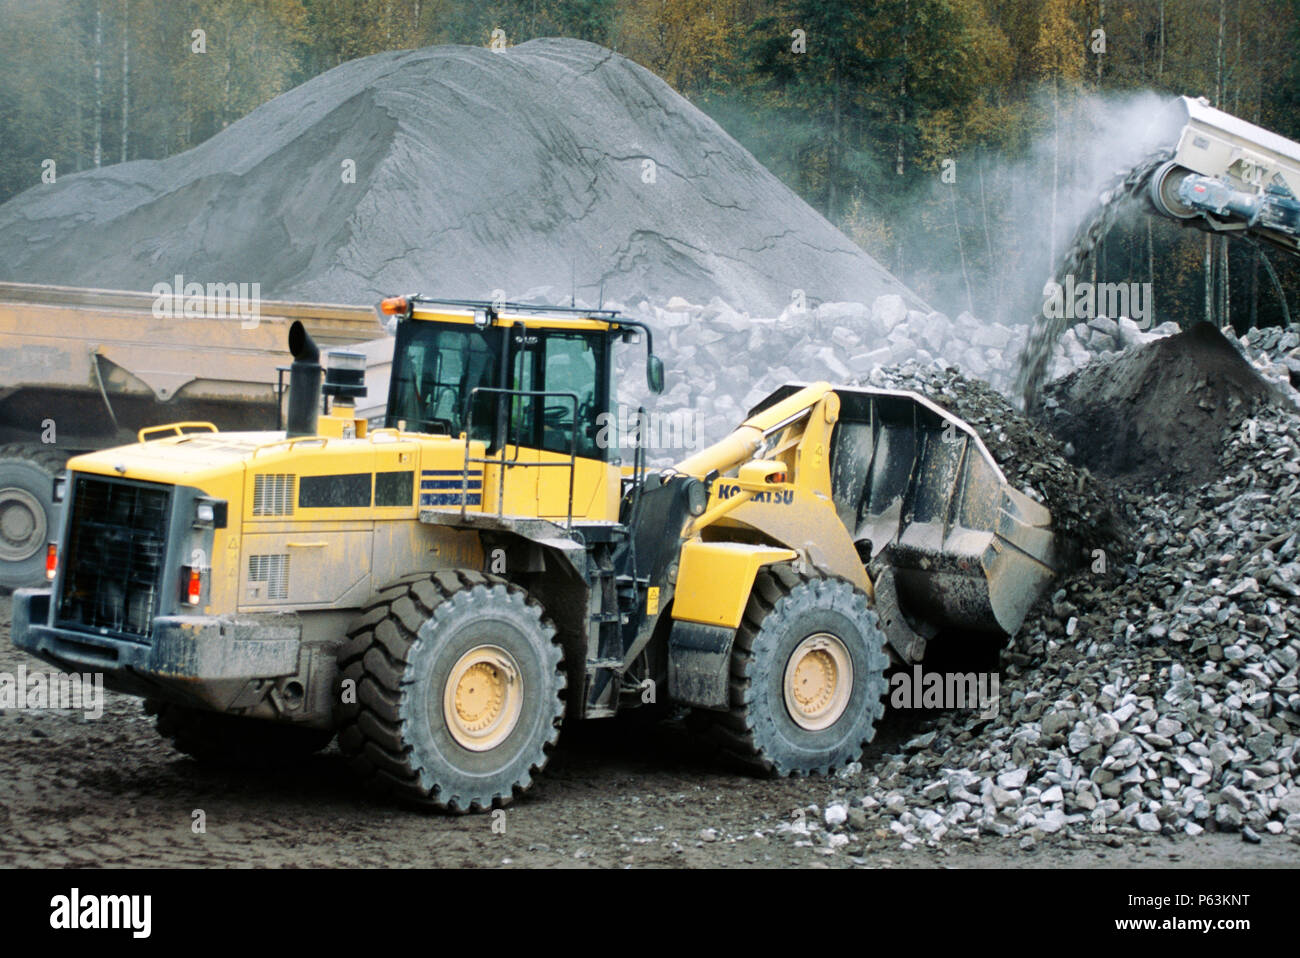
x=27, y=511
x=213, y=738
x=400, y=658
x=786, y=610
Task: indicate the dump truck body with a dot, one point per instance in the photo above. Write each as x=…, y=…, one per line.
x=104, y=363
x=85, y=369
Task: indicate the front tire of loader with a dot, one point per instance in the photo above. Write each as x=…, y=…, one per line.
x=213, y=738
x=807, y=675
x=458, y=686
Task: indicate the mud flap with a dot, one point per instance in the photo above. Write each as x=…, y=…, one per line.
x=699, y=664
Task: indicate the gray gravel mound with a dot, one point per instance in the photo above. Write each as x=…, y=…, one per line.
x=522, y=170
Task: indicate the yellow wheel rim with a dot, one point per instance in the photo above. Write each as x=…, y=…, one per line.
x=818, y=681
x=483, y=697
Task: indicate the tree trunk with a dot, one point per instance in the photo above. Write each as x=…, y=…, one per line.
x=99, y=84
x=126, y=76
x=1218, y=60
x=1225, y=294
x=1160, y=63
x=1151, y=254
x=833, y=167
x=1151, y=270
x=1056, y=166
x=993, y=274
x=1254, y=289
x=1209, y=278
x=902, y=99
x=961, y=247
x=1236, y=94
x=1101, y=22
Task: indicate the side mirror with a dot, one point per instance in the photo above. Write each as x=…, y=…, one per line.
x=654, y=374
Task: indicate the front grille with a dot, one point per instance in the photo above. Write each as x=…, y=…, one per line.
x=113, y=556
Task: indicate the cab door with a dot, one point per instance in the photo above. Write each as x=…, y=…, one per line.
x=573, y=363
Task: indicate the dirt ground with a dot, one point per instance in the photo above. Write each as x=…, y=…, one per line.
x=111, y=792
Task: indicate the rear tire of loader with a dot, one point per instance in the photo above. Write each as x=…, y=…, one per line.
x=232, y=741
x=807, y=675
x=27, y=512
x=458, y=685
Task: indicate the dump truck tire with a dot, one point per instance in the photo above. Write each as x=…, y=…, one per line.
x=232, y=740
x=457, y=685
x=27, y=512
x=807, y=675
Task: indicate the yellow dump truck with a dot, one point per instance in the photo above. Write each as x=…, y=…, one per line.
x=442, y=591
x=85, y=369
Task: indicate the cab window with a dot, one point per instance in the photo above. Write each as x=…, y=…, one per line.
x=559, y=361
x=435, y=366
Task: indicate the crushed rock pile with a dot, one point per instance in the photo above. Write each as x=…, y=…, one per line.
x=1086, y=513
x=725, y=362
x=1101, y=338
x=721, y=361
x=534, y=170
x=1275, y=352
x=1154, y=693
x=1158, y=697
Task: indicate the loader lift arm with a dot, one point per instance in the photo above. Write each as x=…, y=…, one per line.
x=878, y=487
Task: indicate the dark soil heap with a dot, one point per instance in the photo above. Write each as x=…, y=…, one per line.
x=1157, y=412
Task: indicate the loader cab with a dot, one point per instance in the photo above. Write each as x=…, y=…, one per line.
x=532, y=380
x=535, y=382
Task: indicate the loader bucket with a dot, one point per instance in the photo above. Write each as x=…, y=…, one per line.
x=918, y=491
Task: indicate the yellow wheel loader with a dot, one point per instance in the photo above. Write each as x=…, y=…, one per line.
x=443, y=591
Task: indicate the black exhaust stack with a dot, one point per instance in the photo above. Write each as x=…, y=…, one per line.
x=304, y=383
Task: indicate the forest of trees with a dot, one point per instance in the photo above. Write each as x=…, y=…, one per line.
x=856, y=104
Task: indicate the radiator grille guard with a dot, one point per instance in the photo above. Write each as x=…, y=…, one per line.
x=113, y=557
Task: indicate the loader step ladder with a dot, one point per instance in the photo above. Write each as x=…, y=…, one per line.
x=501, y=460
x=607, y=614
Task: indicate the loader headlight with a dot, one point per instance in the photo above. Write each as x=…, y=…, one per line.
x=210, y=513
